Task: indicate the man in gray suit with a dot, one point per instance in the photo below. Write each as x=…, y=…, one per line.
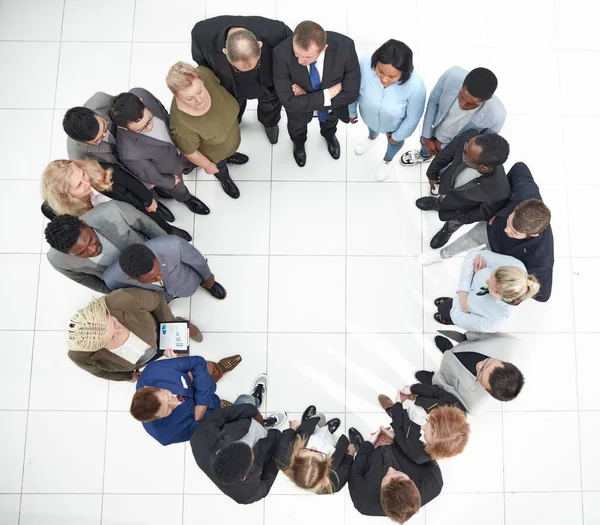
x=475, y=370
x=166, y=264
x=145, y=146
x=82, y=248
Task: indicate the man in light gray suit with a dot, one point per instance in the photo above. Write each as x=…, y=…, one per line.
x=475, y=370
x=82, y=248
x=166, y=264
x=145, y=146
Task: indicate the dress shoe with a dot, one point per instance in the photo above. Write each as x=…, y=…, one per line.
x=181, y=233
x=424, y=377
x=162, y=193
x=333, y=424
x=333, y=146
x=195, y=205
x=196, y=334
x=437, y=316
x=230, y=188
x=225, y=404
x=217, y=291
x=165, y=212
x=300, y=155
x=272, y=134
x=443, y=343
x=227, y=364
x=311, y=411
x=441, y=238
x=237, y=158
x=385, y=402
x=441, y=300
x=428, y=203
x=355, y=438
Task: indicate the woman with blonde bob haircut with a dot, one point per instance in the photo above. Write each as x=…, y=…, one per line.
x=490, y=287
x=73, y=187
x=310, y=455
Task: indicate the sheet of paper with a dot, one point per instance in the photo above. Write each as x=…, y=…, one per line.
x=175, y=336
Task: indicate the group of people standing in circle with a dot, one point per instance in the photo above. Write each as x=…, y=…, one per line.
x=110, y=232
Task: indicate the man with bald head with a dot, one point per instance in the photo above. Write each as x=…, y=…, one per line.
x=239, y=51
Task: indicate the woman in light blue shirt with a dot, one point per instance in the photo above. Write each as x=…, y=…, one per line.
x=491, y=286
x=391, y=100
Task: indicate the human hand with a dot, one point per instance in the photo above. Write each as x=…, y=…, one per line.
x=208, y=283
x=433, y=183
x=391, y=140
x=153, y=207
x=478, y=264
x=298, y=90
x=351, y=450
x=334, y=91
x=190, y=376
x=294, y=424
x=169, y=353
x=491, y=220
x=177, y=179
x=375, y=435
x=134, y=377
x=353, y=120
x=463, y=296
x=438, y=146
x=199, y=412
x=211, y=169
x=430, y=145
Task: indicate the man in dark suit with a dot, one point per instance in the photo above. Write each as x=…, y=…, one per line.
x=239, y=51
x=145, y=146
x=472, y=182
x=316, y=70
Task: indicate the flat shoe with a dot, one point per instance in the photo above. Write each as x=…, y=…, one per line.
x=385, y=401
x=225, y=404
x=229, y=363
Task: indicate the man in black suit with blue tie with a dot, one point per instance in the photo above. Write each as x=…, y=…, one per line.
x=315, y=70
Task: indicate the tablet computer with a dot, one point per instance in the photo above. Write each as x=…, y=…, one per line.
x=175, y=335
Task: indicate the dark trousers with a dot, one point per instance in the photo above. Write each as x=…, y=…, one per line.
x=452, y=225
x=269, y=109
x=298, y=126
x=223, y=173
x=444, y=310
x=180, y=192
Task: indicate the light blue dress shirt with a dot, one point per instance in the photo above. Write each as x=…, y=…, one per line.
x=396, y=109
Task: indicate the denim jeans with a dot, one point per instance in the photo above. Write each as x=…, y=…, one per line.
x=245, y=398
x=392, y=149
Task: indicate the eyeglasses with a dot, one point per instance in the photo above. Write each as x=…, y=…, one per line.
x=142, y=129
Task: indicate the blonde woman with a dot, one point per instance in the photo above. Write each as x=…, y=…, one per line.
x=72, y=187
x=312, y=456
x=204, y=122
x=491, y=286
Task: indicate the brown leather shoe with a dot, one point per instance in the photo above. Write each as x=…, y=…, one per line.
x=385, y=401
x=229, y=363
x=225, y=404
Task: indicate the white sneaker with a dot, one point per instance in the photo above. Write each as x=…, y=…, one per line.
x=275, y=420
x=383, y=171
x=429, y=257
x=413, y=157
x=259, y=387
x=364, y=145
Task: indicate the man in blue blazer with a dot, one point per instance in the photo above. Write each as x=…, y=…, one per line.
x=173, y=395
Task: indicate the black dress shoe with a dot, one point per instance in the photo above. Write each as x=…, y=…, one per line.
x=441, y=300
x=165, y=212
x=216, y=290
x=230, y=188
x=333, y=424
x=237, y=158
x=443, y=344
x=333, y=146
x=272, y=134
x=440, y=238
x=311, y=411
x=181, y=233
x=422, y=376
x=300, y=155
x=195, y=205
x=162, y=193
x=355, y=438
x=428, y=203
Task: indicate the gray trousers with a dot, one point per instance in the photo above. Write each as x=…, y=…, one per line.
x=180, y=192
x=473, y=239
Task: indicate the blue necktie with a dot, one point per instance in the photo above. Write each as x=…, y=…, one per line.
x=315, y=80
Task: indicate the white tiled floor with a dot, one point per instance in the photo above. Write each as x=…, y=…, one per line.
x=324, y=292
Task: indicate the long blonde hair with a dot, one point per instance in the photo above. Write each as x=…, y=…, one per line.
x=181, y=76
x=309, y=472
x=56, y=180
x=88, y=327
x=516, y=284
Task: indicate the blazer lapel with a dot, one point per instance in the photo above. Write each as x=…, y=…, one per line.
x=328, y=64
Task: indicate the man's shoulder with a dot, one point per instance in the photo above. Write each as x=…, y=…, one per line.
x=455, y=74
x=99, y=101
x=339, y=38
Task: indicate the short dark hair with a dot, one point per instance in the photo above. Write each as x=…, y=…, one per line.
x=481, y=83
x=145, y=404
x=398, y=55
x=308, y=32
x=136, y=260
x=494, y=149
x=506, y=382
x=80, y=124
x=63, y=231
x=232, y=462
x=126, y=108
x=400, y=499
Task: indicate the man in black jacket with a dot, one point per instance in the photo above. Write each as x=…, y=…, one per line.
x=316, y=70
x=472, y=183
x=239, y=51
x=521, y=229
x=384, y=481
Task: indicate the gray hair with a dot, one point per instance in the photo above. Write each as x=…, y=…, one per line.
x=242, y=46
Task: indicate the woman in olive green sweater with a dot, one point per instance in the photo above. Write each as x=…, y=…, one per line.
x=204, y=122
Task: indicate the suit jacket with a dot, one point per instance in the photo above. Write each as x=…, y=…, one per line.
x=536, y=253
x=183, y=269
x=152, y=161
x=476, y=201
x=224, y=426
x=341, y=461
x=138, y=310
x=172, y=375
x=122, y=225
x=340, y=65
x=371, y=465
x=432, y=396
x=208, y=41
